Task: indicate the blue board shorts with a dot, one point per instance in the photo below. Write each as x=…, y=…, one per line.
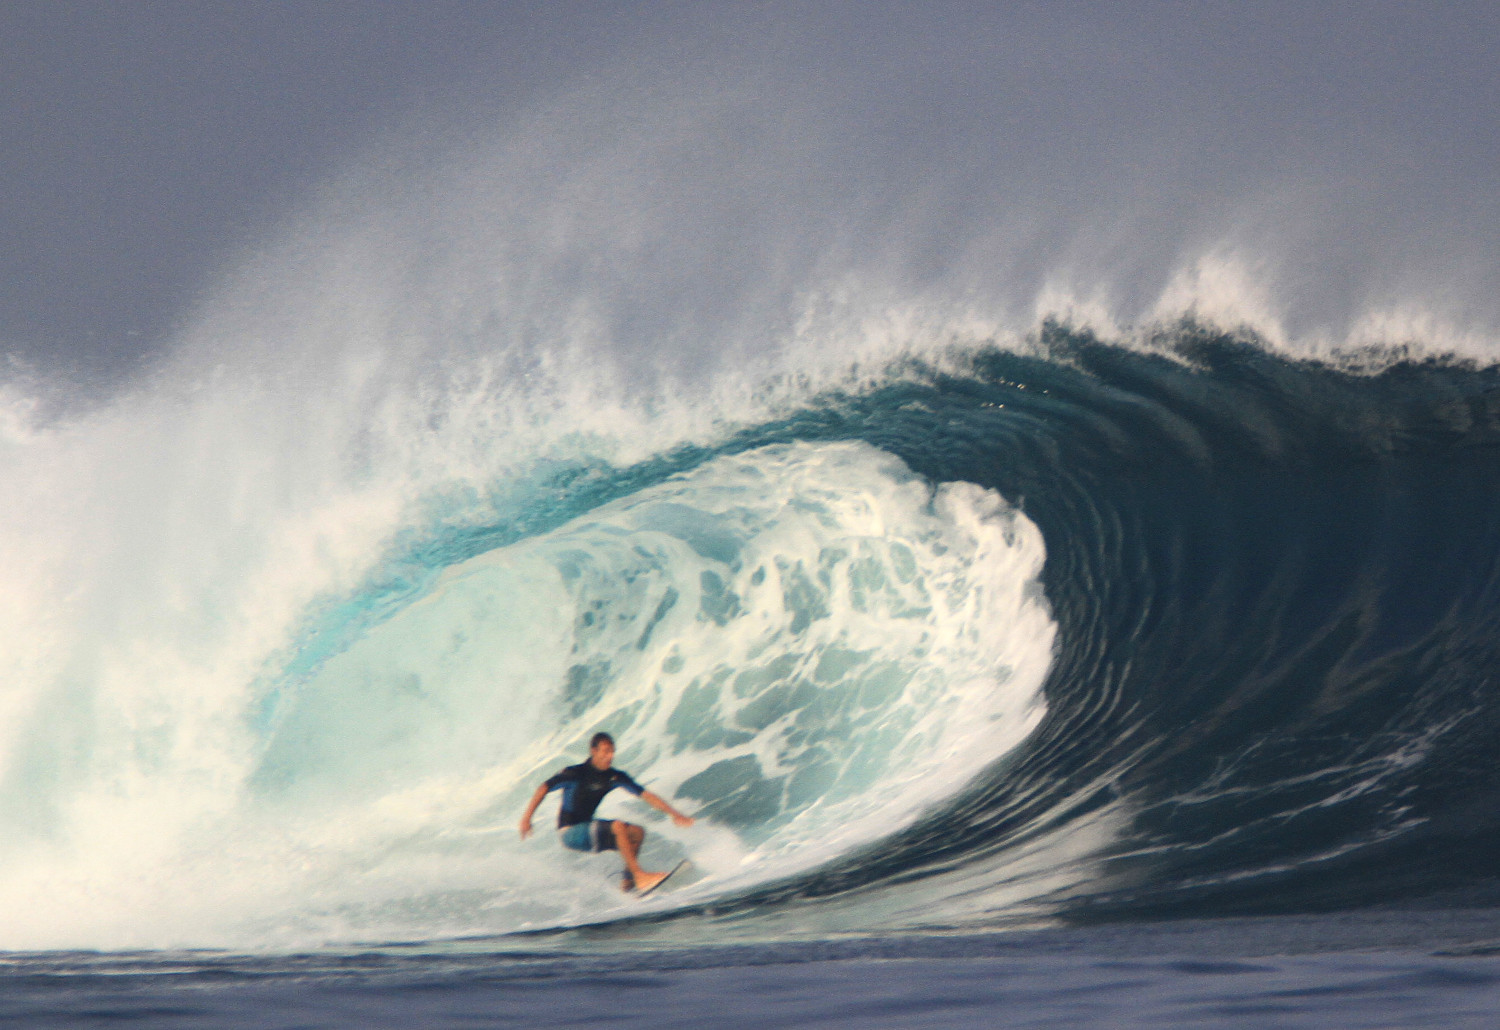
x=598, y=835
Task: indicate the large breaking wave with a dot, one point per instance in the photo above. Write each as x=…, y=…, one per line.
x=1085, y=632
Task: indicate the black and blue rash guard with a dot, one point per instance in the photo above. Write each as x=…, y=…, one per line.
x=584, y=786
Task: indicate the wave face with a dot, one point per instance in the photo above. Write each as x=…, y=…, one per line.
x=1083, y=632
x=1275, y=590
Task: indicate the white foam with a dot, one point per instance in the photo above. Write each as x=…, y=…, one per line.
x=383, y=800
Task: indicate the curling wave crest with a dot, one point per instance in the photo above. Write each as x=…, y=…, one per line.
x=806, y=645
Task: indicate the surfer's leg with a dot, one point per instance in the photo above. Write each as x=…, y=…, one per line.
x=628, y=838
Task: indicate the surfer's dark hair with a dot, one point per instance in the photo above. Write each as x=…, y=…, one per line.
x=601, y=738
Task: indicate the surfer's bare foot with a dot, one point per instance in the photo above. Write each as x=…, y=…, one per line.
x=646, y=881
x=627, y=883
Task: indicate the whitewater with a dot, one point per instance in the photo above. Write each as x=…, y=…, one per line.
x=1051, y=627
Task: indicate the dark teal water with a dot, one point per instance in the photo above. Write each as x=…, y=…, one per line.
x=1277, y=597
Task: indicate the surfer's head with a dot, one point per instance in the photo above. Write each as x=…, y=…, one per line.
x=602, y=750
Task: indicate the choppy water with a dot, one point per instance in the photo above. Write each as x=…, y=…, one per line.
x=1407, y=969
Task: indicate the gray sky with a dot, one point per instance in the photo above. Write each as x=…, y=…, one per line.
x=142, y=145
x=142, y=140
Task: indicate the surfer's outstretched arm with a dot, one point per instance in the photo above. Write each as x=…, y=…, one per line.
x=659, y=803
x=536, y=799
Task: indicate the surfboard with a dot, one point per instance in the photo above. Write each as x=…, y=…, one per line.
x=657, y=886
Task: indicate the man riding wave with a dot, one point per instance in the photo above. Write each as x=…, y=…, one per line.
x=584, y=786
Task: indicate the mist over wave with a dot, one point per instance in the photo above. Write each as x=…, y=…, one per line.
x=967, y=551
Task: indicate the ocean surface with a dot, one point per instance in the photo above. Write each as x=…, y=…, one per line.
x=1132, y=683
x=1370, y=970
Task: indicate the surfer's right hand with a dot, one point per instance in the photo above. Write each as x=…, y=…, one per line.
x=525, y=828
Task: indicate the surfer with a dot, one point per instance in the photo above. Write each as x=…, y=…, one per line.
x=584, y=786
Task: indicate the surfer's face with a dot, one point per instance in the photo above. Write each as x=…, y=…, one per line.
x=601, y=754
